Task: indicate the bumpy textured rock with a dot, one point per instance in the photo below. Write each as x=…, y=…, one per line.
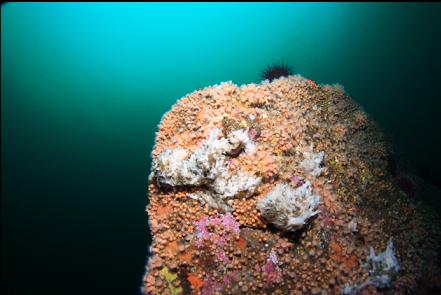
x=285, y=187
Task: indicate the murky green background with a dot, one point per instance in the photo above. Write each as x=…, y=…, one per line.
x=83, y=87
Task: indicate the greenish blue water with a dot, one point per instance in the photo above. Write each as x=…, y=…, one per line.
x=85, y=85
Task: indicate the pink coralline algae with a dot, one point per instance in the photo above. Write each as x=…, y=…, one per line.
x=227, y=221
x=222, y=256
x=271, y=269
x=297, y=181
x=253, y=133
x=229, y=277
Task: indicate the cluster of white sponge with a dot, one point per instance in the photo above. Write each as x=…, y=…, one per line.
x=288, y=208
x=207, y=166
x=383, y=266
x=382, y=270
x=312, y=163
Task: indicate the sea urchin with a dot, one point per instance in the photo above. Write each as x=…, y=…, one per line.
x=275, y=71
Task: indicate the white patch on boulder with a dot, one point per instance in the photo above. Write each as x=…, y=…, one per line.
x=383, y=266
x=207, y=166
x=383, y=269
x=240, y=184
x=288, y=208
x=313, y=162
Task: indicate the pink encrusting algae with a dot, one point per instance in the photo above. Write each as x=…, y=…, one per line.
x=226, y=221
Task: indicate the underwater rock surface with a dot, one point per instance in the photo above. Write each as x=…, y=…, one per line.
x=282, y=188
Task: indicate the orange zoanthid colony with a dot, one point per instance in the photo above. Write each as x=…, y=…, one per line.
x=286, y=187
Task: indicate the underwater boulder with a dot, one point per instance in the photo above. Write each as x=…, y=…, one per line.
x=281, y=187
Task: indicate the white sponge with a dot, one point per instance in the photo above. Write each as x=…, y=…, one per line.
x=288, y=208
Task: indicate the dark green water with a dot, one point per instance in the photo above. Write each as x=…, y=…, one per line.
x=83, y=87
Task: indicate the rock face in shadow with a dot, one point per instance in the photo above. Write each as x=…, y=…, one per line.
x=282, y=188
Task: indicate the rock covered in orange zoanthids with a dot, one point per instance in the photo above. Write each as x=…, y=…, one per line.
x=282, y=188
